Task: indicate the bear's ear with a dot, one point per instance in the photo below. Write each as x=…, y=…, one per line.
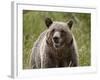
x=70, y=23
x=48, y=22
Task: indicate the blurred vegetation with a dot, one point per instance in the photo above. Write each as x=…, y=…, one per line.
x=33, y=25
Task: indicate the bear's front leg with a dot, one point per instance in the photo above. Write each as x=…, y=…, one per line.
x=74, y=58
x=47, y=62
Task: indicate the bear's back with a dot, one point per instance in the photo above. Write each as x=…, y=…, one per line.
x=36, y=61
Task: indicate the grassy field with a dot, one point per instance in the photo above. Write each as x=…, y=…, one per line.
x=33, y=25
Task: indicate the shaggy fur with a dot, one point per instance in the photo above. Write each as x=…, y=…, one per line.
x=55, y=47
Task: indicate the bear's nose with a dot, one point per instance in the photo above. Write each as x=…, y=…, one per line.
x=56, y=39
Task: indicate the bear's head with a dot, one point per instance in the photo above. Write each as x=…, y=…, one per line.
x=59, y=34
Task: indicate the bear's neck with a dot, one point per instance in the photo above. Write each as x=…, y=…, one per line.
x=58, y=53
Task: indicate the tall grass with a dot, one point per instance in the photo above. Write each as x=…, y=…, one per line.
x=33, y=25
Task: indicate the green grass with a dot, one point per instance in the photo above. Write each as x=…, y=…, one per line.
x=33, y=25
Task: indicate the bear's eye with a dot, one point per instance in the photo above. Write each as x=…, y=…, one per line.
x=62, y=32
x=53, y=30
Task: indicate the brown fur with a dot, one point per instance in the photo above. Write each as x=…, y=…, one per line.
x=46, y=55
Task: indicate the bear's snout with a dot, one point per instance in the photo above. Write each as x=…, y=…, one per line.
x=56, y=37
x=57, y=40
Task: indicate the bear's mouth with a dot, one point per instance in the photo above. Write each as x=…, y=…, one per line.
x=58, y=45
x=57, y=42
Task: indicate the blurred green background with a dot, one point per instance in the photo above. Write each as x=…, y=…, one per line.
x=33, y=25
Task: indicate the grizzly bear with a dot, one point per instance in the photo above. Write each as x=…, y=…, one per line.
x=55, y=47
